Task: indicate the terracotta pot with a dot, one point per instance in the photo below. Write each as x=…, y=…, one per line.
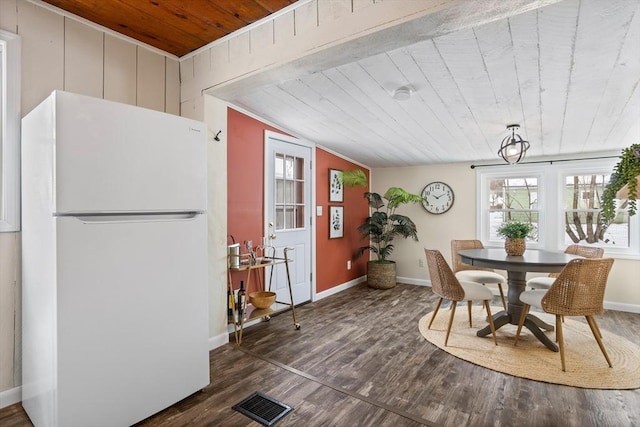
x=514, y=246
x=381, y=275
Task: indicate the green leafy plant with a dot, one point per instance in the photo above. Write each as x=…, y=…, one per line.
x=624, y=173
x=515, y=229
x=384, y=224
x=353, y=178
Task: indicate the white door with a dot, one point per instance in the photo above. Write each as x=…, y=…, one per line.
x=288, y=182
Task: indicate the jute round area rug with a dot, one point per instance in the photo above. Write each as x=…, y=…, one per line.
x=586, y=366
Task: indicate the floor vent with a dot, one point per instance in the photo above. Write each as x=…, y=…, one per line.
x=262, y=408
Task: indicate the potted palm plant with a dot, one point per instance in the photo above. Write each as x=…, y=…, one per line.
x=382, y=227
x=623, y=183
x=515, y=233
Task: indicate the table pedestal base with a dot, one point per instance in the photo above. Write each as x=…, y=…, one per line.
x=517, y=284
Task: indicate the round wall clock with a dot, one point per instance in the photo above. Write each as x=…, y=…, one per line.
x=437, y=197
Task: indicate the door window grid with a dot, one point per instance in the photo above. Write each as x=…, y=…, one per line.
x=289, y=182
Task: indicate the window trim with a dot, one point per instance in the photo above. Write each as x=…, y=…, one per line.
x=483, y=178
x=10, y=143
x=551, y=176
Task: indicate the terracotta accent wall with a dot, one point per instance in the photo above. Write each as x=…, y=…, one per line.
x=245, y=181
x=245, y=186
x=332, y=254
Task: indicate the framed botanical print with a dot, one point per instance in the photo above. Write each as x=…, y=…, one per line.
x=336, y=222
x=336, y=188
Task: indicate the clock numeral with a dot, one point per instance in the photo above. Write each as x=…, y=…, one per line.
x=437, y=197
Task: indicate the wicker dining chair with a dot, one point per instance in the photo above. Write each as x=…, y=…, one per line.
x=545, y=282
x=446, y=286
x=577, y=291
x=473, y=273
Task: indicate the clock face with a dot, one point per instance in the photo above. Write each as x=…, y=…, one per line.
x=437, y=198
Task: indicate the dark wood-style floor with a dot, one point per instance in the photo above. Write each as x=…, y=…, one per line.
x=359, y=360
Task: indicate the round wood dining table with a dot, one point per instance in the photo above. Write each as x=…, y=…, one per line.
x=517, y=267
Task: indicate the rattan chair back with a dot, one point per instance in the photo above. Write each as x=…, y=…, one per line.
x=584, y=251
x=443, y=281
x=459, y=245
x=579, y=289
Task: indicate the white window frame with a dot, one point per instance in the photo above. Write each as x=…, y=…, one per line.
x=551, y=183
x=487, y=174
x=10, y=142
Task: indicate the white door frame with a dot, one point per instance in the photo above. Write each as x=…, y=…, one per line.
x=312, y=211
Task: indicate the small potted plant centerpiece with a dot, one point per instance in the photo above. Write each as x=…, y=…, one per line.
x=623, y=184
x=515, y=233
x=382, y=227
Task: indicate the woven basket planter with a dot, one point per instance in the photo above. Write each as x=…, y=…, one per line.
x=514, y=247
x=381, y=275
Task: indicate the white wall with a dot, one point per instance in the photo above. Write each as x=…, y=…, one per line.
x=63, y=53
x=215, y=115
x=437, y=231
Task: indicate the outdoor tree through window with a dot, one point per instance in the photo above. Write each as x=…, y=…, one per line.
x=513, y=199
x=582, y=215
x=563, y=202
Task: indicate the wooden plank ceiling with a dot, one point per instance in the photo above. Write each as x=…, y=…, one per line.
x=568, y=73
x=174, y=26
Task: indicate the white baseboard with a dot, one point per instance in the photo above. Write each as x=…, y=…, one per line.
x=412, y=281
x=10, y=397
x=314, y=297
x=609, y=305
x=218, y=341
x=339, y=288
x=620, y=306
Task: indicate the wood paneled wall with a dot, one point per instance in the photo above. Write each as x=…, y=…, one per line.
x=61, y=53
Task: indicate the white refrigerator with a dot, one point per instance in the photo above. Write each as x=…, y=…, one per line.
x=114, y=241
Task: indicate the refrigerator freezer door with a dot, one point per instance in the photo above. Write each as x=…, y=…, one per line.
x=132, y=310
x=112, y=157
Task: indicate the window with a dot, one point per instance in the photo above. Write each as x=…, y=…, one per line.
x=289, y=179
x=512, y=198
x=9, y=132
x=561, y=200
x=581, y=204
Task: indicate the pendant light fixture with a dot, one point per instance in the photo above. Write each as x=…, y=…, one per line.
x=513, y=148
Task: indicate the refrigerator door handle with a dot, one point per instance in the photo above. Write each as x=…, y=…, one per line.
x=135, y=218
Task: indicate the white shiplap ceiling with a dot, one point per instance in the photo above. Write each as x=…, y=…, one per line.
x=568, y=73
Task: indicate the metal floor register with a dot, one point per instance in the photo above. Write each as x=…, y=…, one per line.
x=262, y=408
